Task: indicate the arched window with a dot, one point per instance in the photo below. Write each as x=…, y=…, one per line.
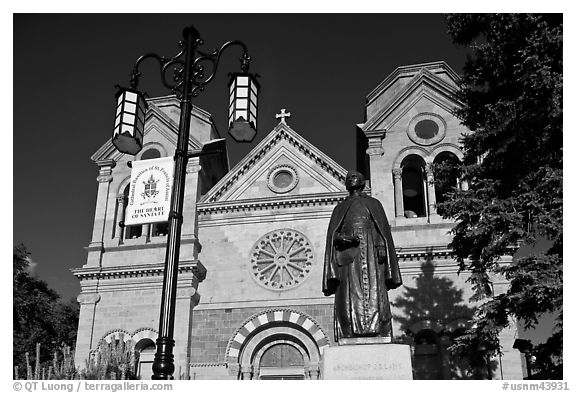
x=130, y=231
x=145, y=350
x=413, y=186
x=150, y=154
x=445, y=174
x=427, y=360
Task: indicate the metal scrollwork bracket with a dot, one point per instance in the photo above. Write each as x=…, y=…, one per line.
x=203, y=68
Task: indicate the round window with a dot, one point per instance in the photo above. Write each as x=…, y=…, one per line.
x=282, y=179
x=427, y=129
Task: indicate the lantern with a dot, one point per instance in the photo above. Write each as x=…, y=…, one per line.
x=243, y=107
x=129, y=123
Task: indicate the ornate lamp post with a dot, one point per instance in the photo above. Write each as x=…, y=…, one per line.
x=189, y=77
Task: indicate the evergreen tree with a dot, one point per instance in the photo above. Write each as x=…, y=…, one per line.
x=39, y=315
x=512, y=102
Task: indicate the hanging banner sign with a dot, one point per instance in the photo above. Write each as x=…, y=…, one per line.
x=150, y=191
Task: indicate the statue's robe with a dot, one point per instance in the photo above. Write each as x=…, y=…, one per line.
x=358, y=278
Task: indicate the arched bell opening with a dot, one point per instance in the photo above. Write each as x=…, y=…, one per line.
x=445, y=174
x=413, y=186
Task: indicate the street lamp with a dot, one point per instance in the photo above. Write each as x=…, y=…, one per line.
x=129, y=123
x=243, y=107
x=189, y=77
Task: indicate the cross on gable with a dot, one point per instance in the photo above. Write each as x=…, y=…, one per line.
x=283, y=115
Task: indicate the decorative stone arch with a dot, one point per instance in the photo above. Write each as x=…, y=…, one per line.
x=275, y=335
x=456, y=152
x=445, y=147
x=139, y=341
x=426, y=324
x=115, y=334
x=137, y=335
x=144, y=333
x=411, y=150
x=122, y=185
x=144, y=347
x=262, y=330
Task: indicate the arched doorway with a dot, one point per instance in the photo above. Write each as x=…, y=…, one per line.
x=277, y=344
x=281, y=360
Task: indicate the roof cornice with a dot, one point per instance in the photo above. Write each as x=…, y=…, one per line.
x=409, y=71
x=157, y=269
x=276, y=202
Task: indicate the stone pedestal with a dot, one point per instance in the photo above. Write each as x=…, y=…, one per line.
x=367, y=361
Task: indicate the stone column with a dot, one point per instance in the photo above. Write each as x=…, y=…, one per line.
x=186, y=299
x=119, y=234
x=398, y=193
x=430, y=189
x=380, y=183
x=146, y=232
x=246, y=372
x=314, y=372
x=85, y=326
x=190, y=223
x=96, y=246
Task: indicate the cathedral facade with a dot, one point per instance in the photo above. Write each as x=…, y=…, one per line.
x=249, y=301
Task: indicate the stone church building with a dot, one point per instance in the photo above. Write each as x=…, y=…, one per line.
x=249, y=299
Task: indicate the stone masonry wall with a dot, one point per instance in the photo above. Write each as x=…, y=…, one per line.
x=213, y=329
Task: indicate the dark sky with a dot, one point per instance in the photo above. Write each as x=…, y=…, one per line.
x=320, y=67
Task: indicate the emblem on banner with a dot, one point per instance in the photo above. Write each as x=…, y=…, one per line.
x=150, y=188
x=150, y=191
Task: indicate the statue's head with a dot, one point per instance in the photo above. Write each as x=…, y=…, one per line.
x=355, y=181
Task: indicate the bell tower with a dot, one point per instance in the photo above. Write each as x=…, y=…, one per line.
x=409, y=127
x=121, y=282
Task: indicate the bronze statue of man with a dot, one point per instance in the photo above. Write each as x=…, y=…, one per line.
x=360, y=264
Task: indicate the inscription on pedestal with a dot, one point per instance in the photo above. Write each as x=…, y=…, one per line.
x=367, y=361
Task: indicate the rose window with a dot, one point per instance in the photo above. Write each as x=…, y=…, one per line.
x=281, y=259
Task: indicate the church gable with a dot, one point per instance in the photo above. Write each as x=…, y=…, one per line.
x=284, y=164
x=432, y=83
x=421, y=100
